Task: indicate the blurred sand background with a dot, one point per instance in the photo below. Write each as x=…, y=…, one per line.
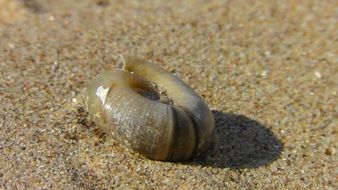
x=268, y=70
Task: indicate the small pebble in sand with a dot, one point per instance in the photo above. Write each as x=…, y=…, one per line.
x=318, y=74
x=330, y=151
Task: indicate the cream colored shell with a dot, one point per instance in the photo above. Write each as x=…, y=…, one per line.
x=126, y=104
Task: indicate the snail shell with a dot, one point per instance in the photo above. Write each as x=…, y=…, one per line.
x=174, y=125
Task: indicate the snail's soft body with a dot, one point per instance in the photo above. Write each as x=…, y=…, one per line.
x=125, y=103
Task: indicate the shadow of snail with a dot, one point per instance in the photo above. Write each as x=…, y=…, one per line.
x=240, y=142
x=154, y=113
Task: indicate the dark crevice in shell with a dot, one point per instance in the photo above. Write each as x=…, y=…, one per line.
x=174, y=142
x=197, y=139
x=147, y=94
x=179, y=129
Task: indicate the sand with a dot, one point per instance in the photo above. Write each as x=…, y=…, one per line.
x=267, y=69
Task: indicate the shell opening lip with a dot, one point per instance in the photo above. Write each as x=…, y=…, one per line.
x=158, y=95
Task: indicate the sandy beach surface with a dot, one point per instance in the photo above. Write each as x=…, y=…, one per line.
x=267, y=69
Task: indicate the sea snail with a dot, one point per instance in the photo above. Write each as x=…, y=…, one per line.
x=150, y=111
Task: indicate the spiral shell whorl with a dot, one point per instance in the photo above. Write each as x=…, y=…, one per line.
x=126, y=105
x=182, y=96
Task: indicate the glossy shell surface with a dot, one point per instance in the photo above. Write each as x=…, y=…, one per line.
x=150, y=111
